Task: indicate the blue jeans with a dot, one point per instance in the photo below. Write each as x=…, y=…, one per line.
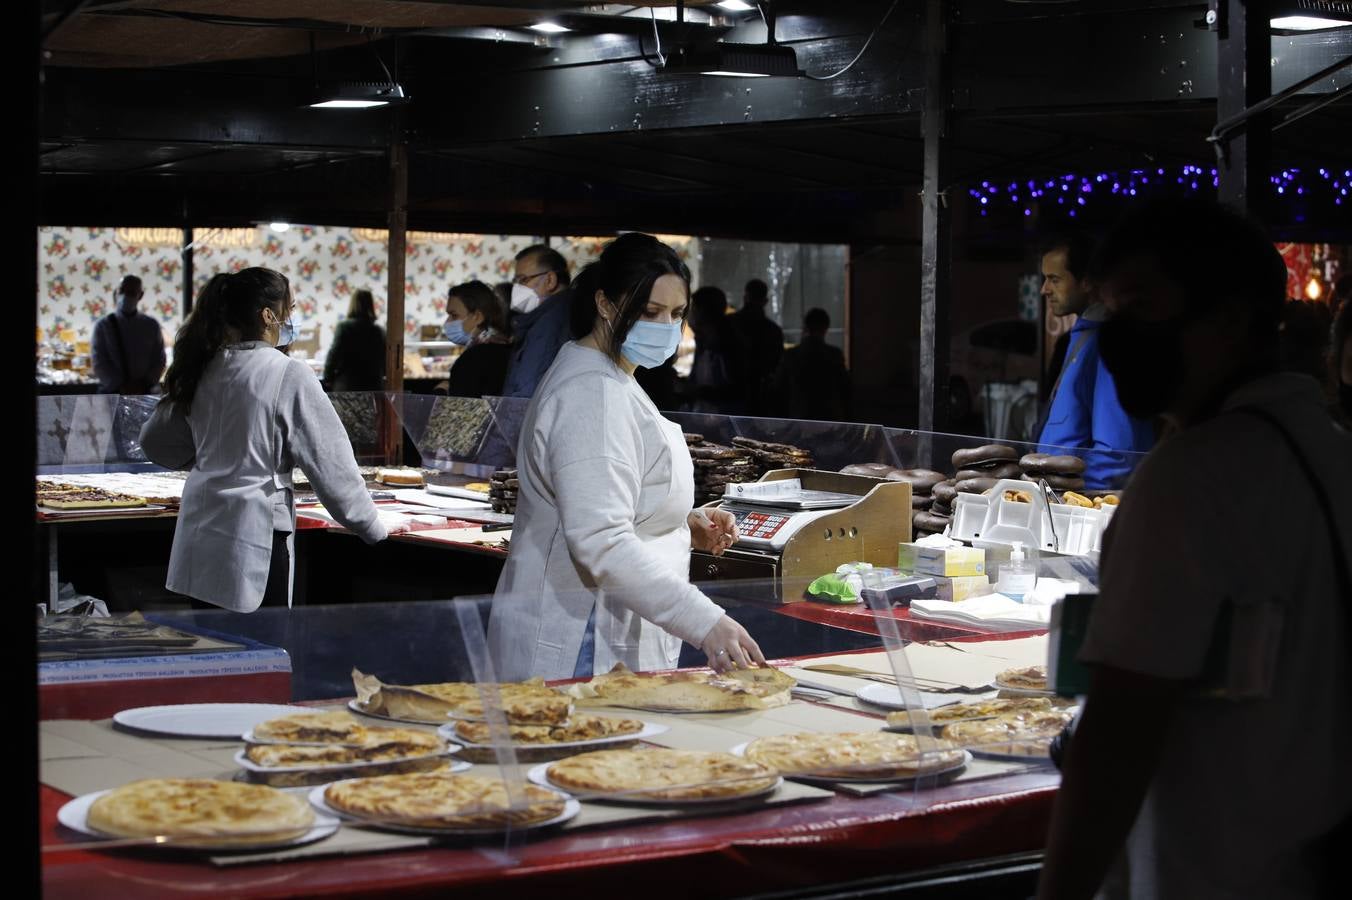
x=586, y=654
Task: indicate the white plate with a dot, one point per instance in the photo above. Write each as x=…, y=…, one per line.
x=570, y=809
x=649, y=730
x=75, y=816
x=249, y=765
x=540, y=775
x=888, y=696
x=1031, y=760
x=358, y=708
x=204, y=720
x=740, y=750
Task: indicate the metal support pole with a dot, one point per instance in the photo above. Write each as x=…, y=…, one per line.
x=1244, y=80
x=934, y=246
x=187, y=271
x=394, y=295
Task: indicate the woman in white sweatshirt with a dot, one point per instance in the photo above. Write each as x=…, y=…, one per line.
x=599, y=565
x=239, y=416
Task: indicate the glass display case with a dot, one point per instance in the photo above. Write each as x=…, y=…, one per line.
x=619, y=746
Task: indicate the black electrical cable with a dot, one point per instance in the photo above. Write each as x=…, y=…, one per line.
x=862, y=50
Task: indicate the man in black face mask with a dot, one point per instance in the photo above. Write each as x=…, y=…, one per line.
x=1221, y=630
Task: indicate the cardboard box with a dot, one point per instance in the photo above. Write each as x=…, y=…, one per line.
x=946, y=561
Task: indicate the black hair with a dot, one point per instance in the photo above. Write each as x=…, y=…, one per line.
x=228, y=301
x=1079, y=248
x=626, y=271
x=362, y=306
x=129, y=280
x=548, y=257
x=480, y=298
x=817, y=320
x=710, y=305
x=757, y=292
x=1218, y=256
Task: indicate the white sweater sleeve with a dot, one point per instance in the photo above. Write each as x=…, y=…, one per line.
x=319, y=445
x=593, y=451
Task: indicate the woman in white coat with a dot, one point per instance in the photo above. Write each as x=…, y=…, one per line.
x=599, y=566
x=238, y=415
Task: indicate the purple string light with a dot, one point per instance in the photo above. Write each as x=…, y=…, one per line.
x=1289, y=183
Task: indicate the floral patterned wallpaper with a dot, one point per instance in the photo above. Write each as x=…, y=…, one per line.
x=80, y=269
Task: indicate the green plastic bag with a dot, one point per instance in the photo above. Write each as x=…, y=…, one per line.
x=832, y=588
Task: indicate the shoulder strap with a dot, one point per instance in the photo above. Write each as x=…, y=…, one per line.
x=1344, y=568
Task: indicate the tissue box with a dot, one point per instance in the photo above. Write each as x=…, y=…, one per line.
x=960, y=587
x=946, y=561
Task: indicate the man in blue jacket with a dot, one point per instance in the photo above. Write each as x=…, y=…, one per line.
x=541, y=305
x=1083, y=412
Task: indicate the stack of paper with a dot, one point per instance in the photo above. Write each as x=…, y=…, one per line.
x=993, y=612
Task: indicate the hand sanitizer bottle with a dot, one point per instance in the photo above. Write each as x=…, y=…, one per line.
x=1018, y=576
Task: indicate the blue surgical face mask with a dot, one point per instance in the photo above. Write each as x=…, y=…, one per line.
x=649, y=344
x=454, y=329
x=286, y=333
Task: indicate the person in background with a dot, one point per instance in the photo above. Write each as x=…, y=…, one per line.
x=812, y=381
x=761, y=345
x=541, y=309
x=504, y=291
x=1223, y=632
x=476, y=321
x=715, y=385
x=128, y=347
x=356, y=360
x=239, y=417
x=1304, y=338
x=1084, y=412
x=1340, y=352
x=599, y=568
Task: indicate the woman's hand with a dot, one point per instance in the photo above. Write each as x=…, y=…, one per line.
x=728, y=646
x=712, y=530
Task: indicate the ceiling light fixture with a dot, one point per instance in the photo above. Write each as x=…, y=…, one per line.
x=358, y=95
x=549, y=28
x=1305, y=23
x=280, y=227
x=735, y=5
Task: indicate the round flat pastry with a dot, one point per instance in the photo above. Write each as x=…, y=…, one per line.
x=930, y=522
x=945, y=491
x=714, y=451
x=975, y=485
x=1046, y=464
x=921, y=501
x=439, y=800
x=985, y=454
x=332, y=727
x=873, y=754
x=1064, y=482
x=577, y=728
x=998, y=471
x=693, y=438
x=201, y=810
x=1033, y=678
x=939, y=508
x=922, y=481
x=662, y=774
x=871, y=470
x=1011, y=734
